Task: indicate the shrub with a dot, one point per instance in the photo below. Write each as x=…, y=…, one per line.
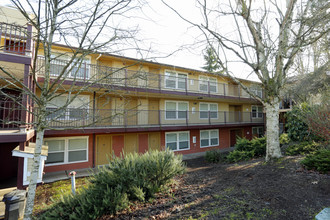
x=134, y=177
x=284, y=139
x=236, y=156
x=319, y=161
x=243, y=144
x=213, y=156
x=258, y=146
x=303, y=148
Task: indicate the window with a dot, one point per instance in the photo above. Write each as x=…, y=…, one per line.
x=257, y=112
x=175, y=80
x=80, y=69
x=67, y=150
x=257, y=91
x=258, y=131
x=209, y=138
x=207, y=110
x=177, y=140
x=208, y=84
x=77, y=109
x=176, y=110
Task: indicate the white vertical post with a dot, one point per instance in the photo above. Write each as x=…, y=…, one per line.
x=73, y=182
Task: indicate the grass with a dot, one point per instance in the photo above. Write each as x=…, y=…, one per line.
x=47, y=194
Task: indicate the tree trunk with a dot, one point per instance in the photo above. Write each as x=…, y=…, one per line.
x=272, y=125
x=34, y=176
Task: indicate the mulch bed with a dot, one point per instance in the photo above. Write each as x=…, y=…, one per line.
x=246, y=190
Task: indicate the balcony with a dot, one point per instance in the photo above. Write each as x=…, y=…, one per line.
x=15, y=39
x=140, y=81
x=10, y=115
x=114, y=118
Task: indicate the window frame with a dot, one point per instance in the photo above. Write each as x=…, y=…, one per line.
x=177, y=140
x=66, y=149
x=258, y=131
x=176, y=78
x=177, y=110
x=257, y=111
x=208, y=83
x=209, y=110
x=71, y=106
x=209, y=138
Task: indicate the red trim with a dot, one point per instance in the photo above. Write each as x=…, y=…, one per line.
x=143, y=143
x=16, y=137
x=118, y=144
x=13, y=58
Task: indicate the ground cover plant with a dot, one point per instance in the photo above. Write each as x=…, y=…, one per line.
x=244, y=190
x=131, y=178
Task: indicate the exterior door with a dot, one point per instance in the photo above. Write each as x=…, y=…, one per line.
x=103, y=149
x=154, y=141
x=233, y=136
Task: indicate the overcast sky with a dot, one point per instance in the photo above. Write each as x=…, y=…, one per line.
x=163, y=31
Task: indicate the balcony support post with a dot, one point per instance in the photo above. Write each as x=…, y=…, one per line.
x=187, y=117
x=159, y=118
x=225, y=117
x=208, y=88
x=224, y=89
x=125, y=78
x=94, y=104
x=160, y=82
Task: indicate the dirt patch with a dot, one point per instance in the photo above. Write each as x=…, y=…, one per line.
x=246, y=190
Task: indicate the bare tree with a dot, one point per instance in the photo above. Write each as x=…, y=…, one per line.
x=265, y=38
x=84, y=27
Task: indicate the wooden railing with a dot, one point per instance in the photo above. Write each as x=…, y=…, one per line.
x=15, y=38
x=10, y=115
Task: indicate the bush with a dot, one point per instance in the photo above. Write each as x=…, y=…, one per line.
x=258, y=146
x=284, y=139
x=319, y=161
x=214, y=156
x=236, y=156
x=134, y=177
x=303, y=148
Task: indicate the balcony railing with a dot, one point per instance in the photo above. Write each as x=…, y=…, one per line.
x=140, y=80
x=72, y=117
x=10, y=115
x=15, y=39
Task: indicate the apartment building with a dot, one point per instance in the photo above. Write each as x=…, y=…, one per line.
x=130, y=106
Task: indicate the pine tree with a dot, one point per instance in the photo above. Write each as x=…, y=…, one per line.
x=210, y=58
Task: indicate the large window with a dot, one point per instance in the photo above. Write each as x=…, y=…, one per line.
x=175, y=80
x=208, y=110
x=209, y=138
x=177, y=140
x=257, y=111
x=258, y=131
x=208, y=84
x=67, y=150
x=257, y=91
x=176, y=110
x=77, y=109
x=80, y=69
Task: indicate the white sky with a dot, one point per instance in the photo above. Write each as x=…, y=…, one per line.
x=163, y=31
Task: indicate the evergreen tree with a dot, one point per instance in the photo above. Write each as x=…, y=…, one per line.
x=210, y=58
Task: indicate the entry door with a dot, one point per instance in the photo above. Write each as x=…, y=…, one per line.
x=233, y=136
x=103, y=149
